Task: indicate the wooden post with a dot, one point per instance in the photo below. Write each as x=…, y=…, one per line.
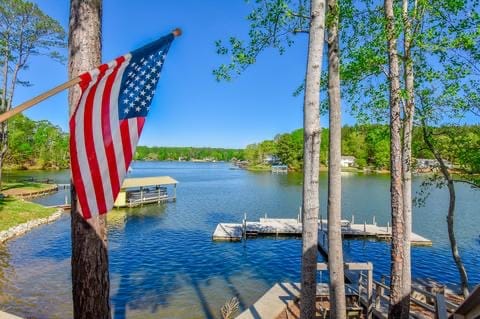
x=360, y=286
x=244, y=224
x=353, y=219
x=440, y=307
x=175, y=192
x=378, y=294
x=369, y=290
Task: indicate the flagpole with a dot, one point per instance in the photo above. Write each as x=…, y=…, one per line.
x=22, y=107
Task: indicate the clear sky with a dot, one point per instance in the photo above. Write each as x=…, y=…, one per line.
x=190, y=107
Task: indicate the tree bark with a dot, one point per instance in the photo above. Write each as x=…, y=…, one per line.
x=407, y=149
x=451, y=211
x=90, y=277
x=311, y=124
x=335, y=249
x=399, y=301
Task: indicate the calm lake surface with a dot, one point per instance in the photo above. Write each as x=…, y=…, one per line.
x=164, y=264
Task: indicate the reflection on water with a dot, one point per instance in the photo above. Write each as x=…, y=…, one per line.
x=163, y=262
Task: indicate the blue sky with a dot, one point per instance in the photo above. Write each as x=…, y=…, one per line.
x=190, y=107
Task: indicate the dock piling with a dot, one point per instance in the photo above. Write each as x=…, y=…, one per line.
x=244, y=224
x=353, y=219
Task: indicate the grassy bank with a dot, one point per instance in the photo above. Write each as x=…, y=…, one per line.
x=14, y=212
x=25, y=187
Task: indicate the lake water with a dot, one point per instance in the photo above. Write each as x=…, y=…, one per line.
x=163, y=262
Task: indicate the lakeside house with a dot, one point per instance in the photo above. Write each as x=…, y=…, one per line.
x=430, y=163
x=347, y=161
x=271, y=159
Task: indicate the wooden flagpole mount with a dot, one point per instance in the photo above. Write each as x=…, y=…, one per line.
x=22, y=107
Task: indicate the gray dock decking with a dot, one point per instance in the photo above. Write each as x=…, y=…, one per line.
x=292, y=227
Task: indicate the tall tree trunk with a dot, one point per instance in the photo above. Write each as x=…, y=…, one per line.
x=335, y=249
x=311, y=155
x=399, y=301
x=451, y=211
x=407, y=149
x=90, y=278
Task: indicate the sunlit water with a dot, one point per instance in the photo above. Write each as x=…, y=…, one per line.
x=163, y=262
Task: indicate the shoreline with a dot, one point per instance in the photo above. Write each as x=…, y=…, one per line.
x=21, y=229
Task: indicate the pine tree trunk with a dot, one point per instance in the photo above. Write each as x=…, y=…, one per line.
x=407, y=149
x=451, y=212
x=311, y=124
x=399, y=301
x=90, y=277
x=335, y=249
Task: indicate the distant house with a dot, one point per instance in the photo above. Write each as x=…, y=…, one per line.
x=270, y=159
x=429, y=163
x=347, y=161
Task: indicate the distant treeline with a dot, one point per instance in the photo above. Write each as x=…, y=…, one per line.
x=156, y=153
x=370, y=145
x=36, y=144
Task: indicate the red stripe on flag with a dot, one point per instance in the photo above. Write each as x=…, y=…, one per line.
x=89, y=143
x=140, y=123
x=76, y=175
x=106, y=130
x=127, y=147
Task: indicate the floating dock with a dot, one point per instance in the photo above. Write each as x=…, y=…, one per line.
x=293, y=227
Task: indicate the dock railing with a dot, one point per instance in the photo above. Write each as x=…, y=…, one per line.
x=365, y=291
x=438, y=305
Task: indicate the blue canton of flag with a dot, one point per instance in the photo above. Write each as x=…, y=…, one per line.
x=141, y=77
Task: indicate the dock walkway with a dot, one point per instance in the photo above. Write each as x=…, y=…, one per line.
x=293, y=227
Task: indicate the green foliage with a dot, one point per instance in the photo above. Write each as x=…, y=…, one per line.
x=272, y=25
x=370, y=145
x=36, y=143
x=156, y=153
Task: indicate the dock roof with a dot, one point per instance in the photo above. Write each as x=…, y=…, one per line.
x=148, y=181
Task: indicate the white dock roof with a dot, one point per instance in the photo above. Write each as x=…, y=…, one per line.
x=148, y=181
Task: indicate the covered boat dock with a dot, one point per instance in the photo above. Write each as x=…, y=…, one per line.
x=138, y=191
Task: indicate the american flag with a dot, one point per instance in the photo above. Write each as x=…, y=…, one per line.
x=108, y=121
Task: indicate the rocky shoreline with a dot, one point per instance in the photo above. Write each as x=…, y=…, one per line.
x=25, y=227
